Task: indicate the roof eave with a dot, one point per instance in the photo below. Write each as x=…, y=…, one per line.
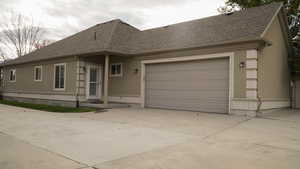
x=271, y=21
x=280, y=13
x=260, y=44
x=104, y=52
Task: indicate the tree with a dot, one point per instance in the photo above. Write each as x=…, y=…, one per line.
x=2, y=55
x=19, y=35
x=293, y=15
x=291, y=6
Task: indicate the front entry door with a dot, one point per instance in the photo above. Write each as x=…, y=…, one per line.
x=94, y=77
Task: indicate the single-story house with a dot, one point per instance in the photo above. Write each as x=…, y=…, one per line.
x=234, y=63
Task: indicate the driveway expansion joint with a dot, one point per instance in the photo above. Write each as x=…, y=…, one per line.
x=276, y=147
x=44, y=149
x=227, y=128
x=275, y=119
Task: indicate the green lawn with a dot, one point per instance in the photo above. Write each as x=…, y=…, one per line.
x=47, y=107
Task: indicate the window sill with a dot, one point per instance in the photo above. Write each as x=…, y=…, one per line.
x=116, y=75
x=57, y=89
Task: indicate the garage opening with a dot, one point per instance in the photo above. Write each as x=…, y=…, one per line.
x=199, y=85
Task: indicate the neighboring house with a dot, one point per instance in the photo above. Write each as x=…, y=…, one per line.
x=224, y=64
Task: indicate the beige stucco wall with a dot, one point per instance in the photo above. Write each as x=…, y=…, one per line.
x=25, y=78
x=239, y=75
x=130, y=83
x=273, y=71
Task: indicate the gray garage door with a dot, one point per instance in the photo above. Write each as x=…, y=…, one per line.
x=201, y=85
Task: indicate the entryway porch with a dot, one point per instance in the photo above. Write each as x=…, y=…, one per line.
x=94, y=81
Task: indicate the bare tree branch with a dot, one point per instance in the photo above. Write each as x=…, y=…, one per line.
x=19, y=34
x=2, y=55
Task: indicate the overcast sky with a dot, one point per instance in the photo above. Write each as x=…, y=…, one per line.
x=66, y=17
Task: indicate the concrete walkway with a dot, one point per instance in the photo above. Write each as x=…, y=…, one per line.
x=147, y=138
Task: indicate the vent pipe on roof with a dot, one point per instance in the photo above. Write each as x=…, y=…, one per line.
x=95, y=35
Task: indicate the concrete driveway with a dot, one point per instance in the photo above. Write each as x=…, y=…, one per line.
x=147, y=138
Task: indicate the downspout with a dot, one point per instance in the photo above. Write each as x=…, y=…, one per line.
x=3, y=80
x=293, y=86
x=259, y=102
x=78, y=82
x=293, y=96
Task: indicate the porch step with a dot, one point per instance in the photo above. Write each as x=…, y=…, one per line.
x=102, y=106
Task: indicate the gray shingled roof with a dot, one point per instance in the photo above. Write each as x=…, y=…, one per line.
x=119, y=37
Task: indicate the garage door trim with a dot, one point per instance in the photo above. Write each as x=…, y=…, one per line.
x=229, y=55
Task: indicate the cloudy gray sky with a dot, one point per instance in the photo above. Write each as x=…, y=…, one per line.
x=65, y=17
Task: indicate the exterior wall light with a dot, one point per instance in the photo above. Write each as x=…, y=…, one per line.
x=242, y=65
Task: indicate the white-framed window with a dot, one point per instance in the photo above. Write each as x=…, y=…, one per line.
x=60, y=76
x=1, y=77
x=38, y=73
x=12, y=75
x=116, y=70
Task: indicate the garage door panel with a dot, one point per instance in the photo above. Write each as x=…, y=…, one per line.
x=185, y=106
x=192, y=101
x=190, y=106
x=197, y=85
x=201, y=93
x=187, y=98
x=169, y=85
x=186, y=75
x=186, y=66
